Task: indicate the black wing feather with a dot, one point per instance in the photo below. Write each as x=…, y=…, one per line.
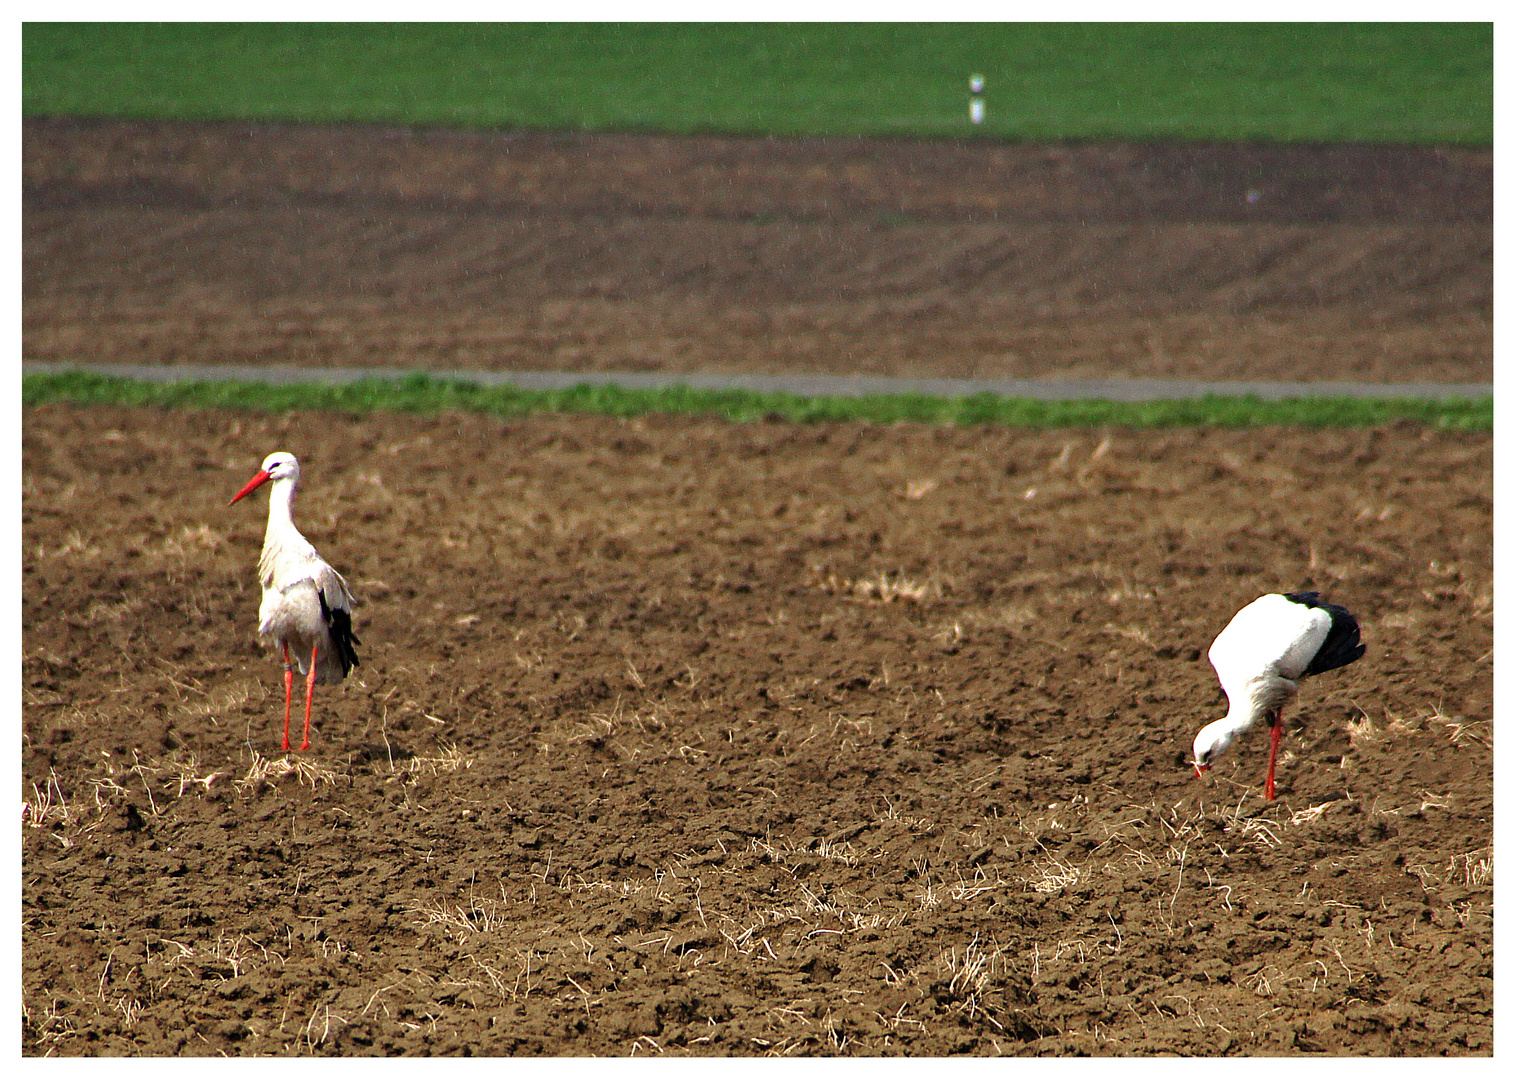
x=1342, y=645
x=339, y=625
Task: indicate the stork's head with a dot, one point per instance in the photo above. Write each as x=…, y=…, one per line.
x=1210, y=743
x=279, y=465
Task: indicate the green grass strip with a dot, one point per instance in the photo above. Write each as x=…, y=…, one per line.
x=1395, y=82
x=419, y=393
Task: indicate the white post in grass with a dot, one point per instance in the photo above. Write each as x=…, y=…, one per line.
x=976, y=102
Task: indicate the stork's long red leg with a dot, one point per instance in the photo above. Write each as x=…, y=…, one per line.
x=310, y=688
x=1276, y=730
x=289, y=688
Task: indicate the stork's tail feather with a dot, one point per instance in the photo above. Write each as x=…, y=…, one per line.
x=1342, y=645
x=339, y=625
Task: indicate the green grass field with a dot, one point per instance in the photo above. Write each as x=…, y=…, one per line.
x=419, y=393
x=1371, y=82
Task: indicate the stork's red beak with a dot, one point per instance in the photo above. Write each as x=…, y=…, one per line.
x=251, y=484
x=1199, y=768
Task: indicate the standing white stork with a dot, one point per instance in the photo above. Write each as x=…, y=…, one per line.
x=1268, y=645
x=306, y=605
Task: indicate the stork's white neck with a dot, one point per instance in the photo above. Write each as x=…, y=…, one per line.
x=281, y=501
x=1233, y=724
x=1246, y=705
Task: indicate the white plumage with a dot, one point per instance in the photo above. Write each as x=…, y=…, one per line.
x=306, y=604
x=1259, y=657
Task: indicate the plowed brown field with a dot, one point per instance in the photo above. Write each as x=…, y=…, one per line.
x=673, y=736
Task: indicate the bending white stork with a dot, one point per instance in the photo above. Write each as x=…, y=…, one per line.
x=1268, y=646
x=306, y=605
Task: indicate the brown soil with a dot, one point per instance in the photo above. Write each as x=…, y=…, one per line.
x=370, y=246
x=679, y=737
